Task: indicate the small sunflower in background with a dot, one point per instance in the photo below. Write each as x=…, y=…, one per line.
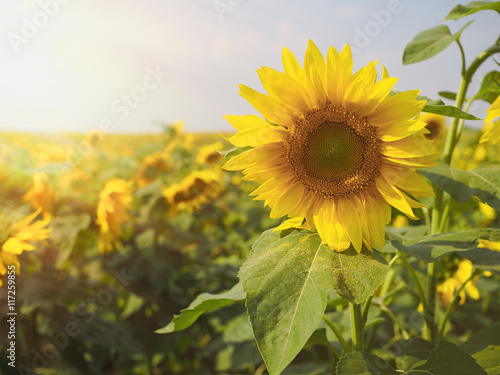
x=208, y=154
x=114, y=201
x=151, y=167
x=436, y=126
x=336, y=150
x=447, y=290
x=491, y=131
x=41, y=195
x=19, y=238
x=195, y=190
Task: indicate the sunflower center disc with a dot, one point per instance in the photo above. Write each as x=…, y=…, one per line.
x=332, y=152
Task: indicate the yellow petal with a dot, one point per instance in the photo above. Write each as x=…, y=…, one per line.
x=349, y=219
x=271, y=109
x=394, y=197
x=253, y=131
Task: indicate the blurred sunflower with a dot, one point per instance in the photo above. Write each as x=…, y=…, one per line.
x=436, y=126
x=17, y=239
x=452, y=284
x=195, y=190
x=175, y=132
x=491, y=131
x=151, y=167
x=41, y=195
x=207, y=154
x=114, y=200
x=336, y=149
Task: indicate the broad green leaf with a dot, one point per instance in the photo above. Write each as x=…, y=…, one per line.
x=430, y=101
x=484, y=259
x=358, y=276
x=464, y=10
x=429, y=43
x=318, y=338
x=410, y=352
x=490, y=87
x=448, y=95
x=449, y=111
x=238, y=330
x=205, y=302
x=360, y=363
x=482, y=182
x=287, y=281
x=448, y=359
x=431, y=249
x=484, y=346
x=65, y=231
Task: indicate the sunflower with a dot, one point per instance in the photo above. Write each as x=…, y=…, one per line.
x=491, y=131
x=208, y=154
x=17, y=239
x=335, y=150
x=436, y=126
x=151, y=167
x=195, y=190
x=41, y=195
x=114, y=200
x=452, y=284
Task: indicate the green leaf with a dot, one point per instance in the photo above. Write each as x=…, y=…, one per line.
x=484, y=346
x=450, y=111
x=429, y=43
x=228, y=154
x=287, y=281
x=358, y=276
x=205, y=302
x=410, y=352
x=448, y=359
x=448, y=95
x=464, y=10
x=482, y=182
x=430, y=101
x=134, y=303
x=490, y=87
x=360, y=363
x=65, y=231
x=431, y=249
x=484, y=259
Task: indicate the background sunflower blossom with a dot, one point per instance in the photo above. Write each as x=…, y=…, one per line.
x=336, y=150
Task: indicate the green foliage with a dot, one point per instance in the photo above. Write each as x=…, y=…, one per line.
x=205, y=302
x=475, y=6
x=490, y=87
x=482, y=182
x=429, y=43
x=431, y=249
x=364, y=363
x=446, y=359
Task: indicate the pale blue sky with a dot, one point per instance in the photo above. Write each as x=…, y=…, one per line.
x=127, y=66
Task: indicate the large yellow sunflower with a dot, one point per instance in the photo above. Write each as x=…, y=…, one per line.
x=41, y=195
x=335, y=150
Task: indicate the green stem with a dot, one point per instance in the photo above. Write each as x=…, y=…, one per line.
x=357, y=327
x=396, y=321
x=430, y=310
x=414, y=276
x=454, y=301
x=337, y=333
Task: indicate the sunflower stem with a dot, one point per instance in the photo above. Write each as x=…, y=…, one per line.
x=430, y=307
x=337, y=333
x=357, y=327
x=454, y=301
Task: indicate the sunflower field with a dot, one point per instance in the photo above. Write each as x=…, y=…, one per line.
x=350, y=228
